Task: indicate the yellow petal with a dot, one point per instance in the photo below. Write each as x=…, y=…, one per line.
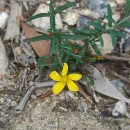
x=55, y=76
x=75, y=77
x=58, y=87
x=72, y=86
x=65, y=69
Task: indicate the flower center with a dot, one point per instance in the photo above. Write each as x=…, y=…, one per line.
x=64, y=79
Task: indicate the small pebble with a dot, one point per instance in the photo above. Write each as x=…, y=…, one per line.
x=119, y=86
x=2, y=100
x=126, y=128
x=83, y=107
x=119, y=109
x=120, y=2
x=99, y=6
x=3, y=19
x=71, y=18
x=13, y=103
x=82, y=22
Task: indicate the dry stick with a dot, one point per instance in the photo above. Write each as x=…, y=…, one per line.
x=46, y=94
x=121, y=77
x=116, y=58
x=22, y=103
x=83, y=93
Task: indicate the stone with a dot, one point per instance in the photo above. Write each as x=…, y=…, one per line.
x=3, y=59
x=83, y=107
x=120, y=2
x=116, y=17
x=119, y=109
x=107, y=48
x=71, y=18
x=3, y=19
x=119, y=86
x=112, y=3
x=82, y=22
x=44, y=22
x=99, y=6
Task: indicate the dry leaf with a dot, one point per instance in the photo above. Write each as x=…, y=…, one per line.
x=42, y=48
x=104, y=86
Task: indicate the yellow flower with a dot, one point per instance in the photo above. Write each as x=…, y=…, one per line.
x=64, y=79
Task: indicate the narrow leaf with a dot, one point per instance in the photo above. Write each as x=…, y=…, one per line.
x=74, y=30
x=89, y=31
x=109, y=14
x=38, y=38
x=52, y=16
x=110, y=21
x=126, y=24
x=94, y=46
x=64, y=7
x=72, y=37
x=72, y=54
x=127, y=8
x=83, y=31
x=101, y=40
x=38, y=16
x=119, y=33
x=113, y=38
x=96, y=25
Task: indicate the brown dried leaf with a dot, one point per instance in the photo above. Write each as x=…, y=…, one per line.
x=42, y=48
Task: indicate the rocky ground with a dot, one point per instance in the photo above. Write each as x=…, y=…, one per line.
x=19, y=72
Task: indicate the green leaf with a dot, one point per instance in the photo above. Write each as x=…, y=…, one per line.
x=64, y=7
x=38, y=38
x=52, y=16
x=126, y=24
x=113, y=38
x=38, y=16
x=96, y=25
x=41, y=62
x=72, y=37
x=82, y=31
x=109, y=16
x=127, y=8
x=74, y=30
x=101, y=40
x=88, y=31
x=119, y=33
x=110, y=21
x=94, y=46
x=77, y=57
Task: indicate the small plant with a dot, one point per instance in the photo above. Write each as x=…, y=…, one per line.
x=61, y=51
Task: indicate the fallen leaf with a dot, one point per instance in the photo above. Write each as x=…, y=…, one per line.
x=104, y=86
x=42, y=48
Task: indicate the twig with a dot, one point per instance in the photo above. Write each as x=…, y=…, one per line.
x=116, y=58
x=90, y=89
x=83, y=93
x=22, y=103
x=121, y=77
x=42, y=96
